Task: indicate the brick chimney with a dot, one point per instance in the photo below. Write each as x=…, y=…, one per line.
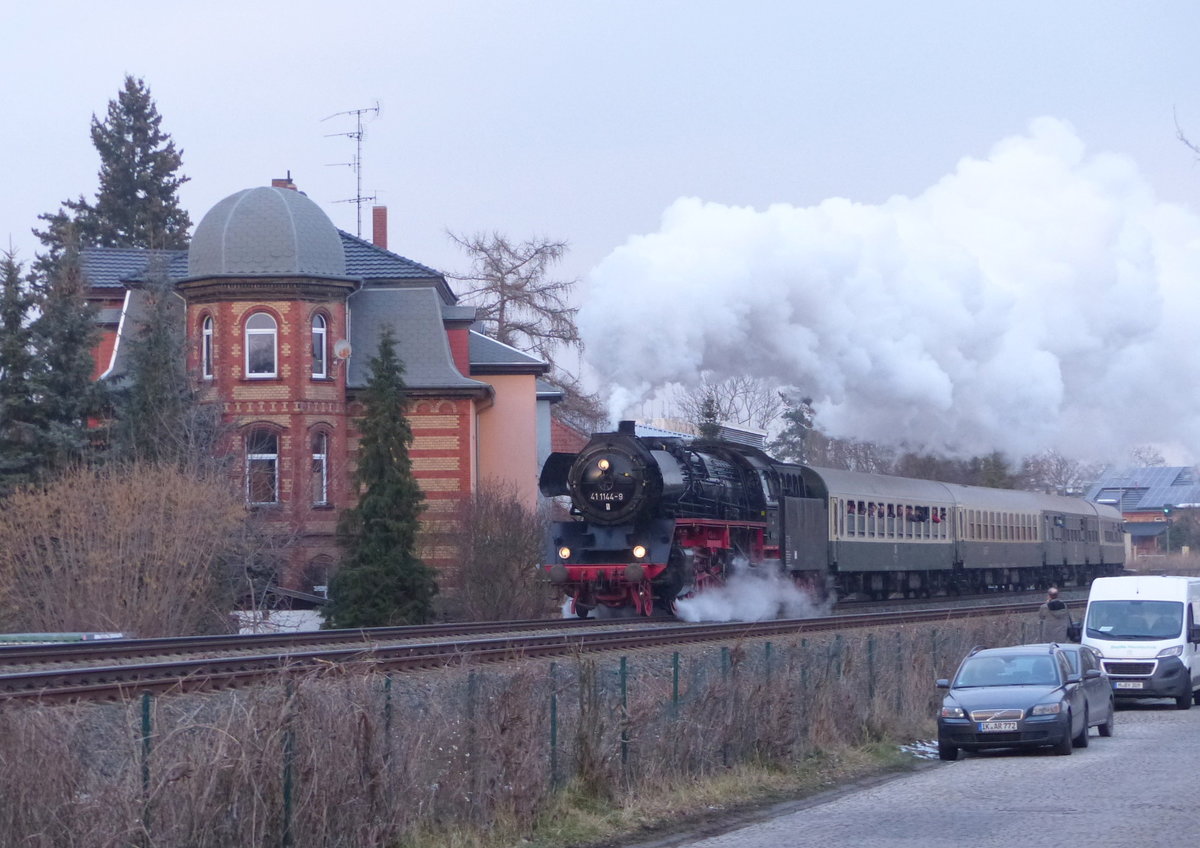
x=284, y=182
x=379, y=226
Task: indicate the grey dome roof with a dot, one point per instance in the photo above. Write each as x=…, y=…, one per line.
x=266, y=232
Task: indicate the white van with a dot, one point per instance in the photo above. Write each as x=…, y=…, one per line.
x=1147, y=629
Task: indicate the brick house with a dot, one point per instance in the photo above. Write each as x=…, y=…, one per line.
x=283, y=315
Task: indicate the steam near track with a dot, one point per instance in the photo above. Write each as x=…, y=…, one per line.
x=1025, y=301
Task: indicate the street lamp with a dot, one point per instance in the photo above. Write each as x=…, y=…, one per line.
x=1167, y=517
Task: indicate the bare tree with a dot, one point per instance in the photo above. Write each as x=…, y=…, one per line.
x=521, y=305
x=500, y=543
x=1054, y=473
x=750, y=401
x=151, y=550
x=1146, y=456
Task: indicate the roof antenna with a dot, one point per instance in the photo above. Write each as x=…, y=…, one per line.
x=358, y=200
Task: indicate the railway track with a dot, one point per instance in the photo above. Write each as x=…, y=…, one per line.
x=200, y=663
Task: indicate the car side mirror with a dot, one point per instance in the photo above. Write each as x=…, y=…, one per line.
x=1091, y=674
x=943, y=683
x=1194, y=633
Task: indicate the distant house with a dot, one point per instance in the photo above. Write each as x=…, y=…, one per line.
x=1146, y=497
x=283, y=315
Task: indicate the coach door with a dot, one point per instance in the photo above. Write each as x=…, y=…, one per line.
x=806, y=528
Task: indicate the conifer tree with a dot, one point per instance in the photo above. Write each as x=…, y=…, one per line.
x=381, y=581
x=63, y=337
x=157, y=414
x=18, y=413
x=137, y=204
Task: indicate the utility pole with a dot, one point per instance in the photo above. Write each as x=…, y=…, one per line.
x=359, y=199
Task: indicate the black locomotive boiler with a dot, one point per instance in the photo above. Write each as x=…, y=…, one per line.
x=653, y=519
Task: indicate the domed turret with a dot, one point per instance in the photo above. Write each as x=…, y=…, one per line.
x=266, y=232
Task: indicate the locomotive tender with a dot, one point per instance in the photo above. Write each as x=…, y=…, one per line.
x=653, y=519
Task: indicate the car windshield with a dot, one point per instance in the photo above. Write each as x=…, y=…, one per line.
x=1020, y=670
x=1146, y=620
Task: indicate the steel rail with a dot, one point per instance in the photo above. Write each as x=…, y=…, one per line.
x=117, y=682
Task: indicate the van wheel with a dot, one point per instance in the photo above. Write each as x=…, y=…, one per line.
x=1184, y=702
x=1106, y=729
x=1081, y=741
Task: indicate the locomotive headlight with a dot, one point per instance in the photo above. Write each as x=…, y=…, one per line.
x=564, y=552
x=639, y=551
x=603, y=464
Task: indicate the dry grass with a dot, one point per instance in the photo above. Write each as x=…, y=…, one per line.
x=464, y=757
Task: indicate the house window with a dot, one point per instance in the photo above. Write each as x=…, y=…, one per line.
x=262, y=467
x=320, y=469
x=260, y=345
x=206, y=353
x=319, y=348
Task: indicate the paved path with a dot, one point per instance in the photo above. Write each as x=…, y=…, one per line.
x=1139, y=788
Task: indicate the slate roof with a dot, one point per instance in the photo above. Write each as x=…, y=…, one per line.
x=111, y=267
x=414, y=314
x=1147, y=489
x=489, y=356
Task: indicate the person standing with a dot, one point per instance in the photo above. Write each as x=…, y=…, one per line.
x=1054, y=618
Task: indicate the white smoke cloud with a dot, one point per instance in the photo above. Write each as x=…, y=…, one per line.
x=1039, y=298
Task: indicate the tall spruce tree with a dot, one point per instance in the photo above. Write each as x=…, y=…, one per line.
x=381, y=581
x=19, y=415
x=137, y=203
x=63, y=337
x=158, y=416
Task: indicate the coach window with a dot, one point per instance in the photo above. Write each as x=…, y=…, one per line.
x=262, y=467
x=206, y=347
x=261, y=336
x=320, y=469
x=319, y=346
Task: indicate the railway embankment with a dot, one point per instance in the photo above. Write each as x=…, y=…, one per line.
x=532, y=749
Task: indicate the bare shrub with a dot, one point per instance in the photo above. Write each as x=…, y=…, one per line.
x=342, y=758
x=149, y=550
x=499, y=544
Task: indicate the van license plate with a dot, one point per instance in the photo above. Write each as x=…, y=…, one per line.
x=1128, y=684
x=997, y=726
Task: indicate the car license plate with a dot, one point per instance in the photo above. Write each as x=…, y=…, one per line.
x=997, y=726
x=1128, y=684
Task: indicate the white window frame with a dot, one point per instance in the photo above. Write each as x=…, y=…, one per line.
x=273, y=332
x=253, y=458
x=320, y=468
x=320, y=346
x=206, y=347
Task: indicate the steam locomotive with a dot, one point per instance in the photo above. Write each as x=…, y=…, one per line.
x=656, y=518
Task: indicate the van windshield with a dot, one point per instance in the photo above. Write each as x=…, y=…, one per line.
x=1148, y=620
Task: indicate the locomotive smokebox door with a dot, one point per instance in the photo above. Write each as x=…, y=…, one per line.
x=807, y=532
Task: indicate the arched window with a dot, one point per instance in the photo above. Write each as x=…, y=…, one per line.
x=319, y=348
x=320, y=468
x=206, y=351
x=262, y=467
x=260, y=345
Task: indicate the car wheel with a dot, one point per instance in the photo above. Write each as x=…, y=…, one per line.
x=1184, y=701
x=946, y=751
x=1064, y=746
x=1106, y=729
x=1081, y=741
x=1196, y=697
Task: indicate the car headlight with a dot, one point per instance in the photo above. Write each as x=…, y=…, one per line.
x=1175, y=651
x=1046, y=709
x=952, y=712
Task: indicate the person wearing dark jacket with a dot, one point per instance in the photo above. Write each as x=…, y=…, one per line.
x=1054, y=618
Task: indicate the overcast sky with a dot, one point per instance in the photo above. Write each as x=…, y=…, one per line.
x=590, y=121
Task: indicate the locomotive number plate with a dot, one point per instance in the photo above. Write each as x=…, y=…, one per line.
x=997, y=726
